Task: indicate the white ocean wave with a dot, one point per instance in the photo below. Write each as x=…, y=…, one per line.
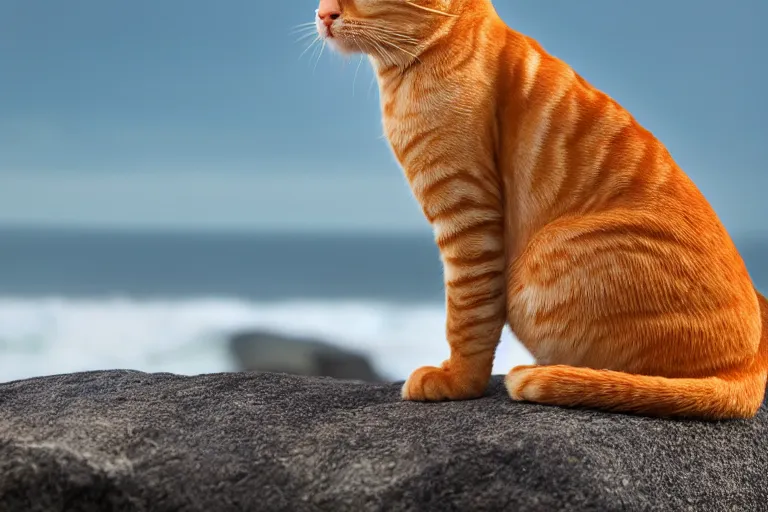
x=54, y=335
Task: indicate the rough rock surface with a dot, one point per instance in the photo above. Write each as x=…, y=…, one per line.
x=125, y=440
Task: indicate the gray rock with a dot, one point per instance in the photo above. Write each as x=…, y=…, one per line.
x=125, y=440
x=265, y=351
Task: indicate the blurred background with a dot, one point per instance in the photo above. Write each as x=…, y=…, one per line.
x=181, y=189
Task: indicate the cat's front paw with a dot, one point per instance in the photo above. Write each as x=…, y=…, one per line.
x=430, y=383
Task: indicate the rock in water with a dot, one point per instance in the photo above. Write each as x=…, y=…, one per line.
x=124, y=440
x=271, y=352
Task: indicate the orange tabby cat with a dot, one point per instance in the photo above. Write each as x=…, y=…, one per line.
x=556, y=212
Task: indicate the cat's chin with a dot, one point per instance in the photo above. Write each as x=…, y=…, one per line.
x=343, y=46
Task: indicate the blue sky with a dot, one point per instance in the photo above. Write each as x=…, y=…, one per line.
x=191, y=114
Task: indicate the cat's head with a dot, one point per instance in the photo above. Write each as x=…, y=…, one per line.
x=390, y=30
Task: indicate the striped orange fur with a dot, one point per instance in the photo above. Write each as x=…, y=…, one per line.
x=557, y=213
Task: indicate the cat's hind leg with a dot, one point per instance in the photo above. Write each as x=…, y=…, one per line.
x=627, y=313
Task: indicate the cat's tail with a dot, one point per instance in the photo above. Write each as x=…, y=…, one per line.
x=729, y=396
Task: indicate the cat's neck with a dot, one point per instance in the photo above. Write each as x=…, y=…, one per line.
x=438, y=47
x=399, y=62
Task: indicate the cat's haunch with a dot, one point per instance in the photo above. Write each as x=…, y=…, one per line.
x=557, y=213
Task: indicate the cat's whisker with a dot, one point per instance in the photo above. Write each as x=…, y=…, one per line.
x=308, y=34
x=370, y=86
x=379, y=27
x=307, y=30
x=378, y=50
x=318, y=57
x=390, y=31
x=386, y=30
x=434, y=11
x=391, y=37
x=368, y=41
x=384, y=55
x=387, y=55
x=303, y=25
x=370, y=37
x=380, y=38
x=315, y=40
x=354, y=80
x=310, y=28
x=389, y=43
x=314, y=53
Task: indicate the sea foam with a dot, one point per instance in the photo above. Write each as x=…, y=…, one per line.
x=45, y=336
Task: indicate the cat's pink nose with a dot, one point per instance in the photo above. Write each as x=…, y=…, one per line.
x=328, y=11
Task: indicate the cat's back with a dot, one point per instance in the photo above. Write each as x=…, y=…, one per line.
x=568, y=148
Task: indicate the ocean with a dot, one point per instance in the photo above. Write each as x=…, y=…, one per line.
x=76, y=300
